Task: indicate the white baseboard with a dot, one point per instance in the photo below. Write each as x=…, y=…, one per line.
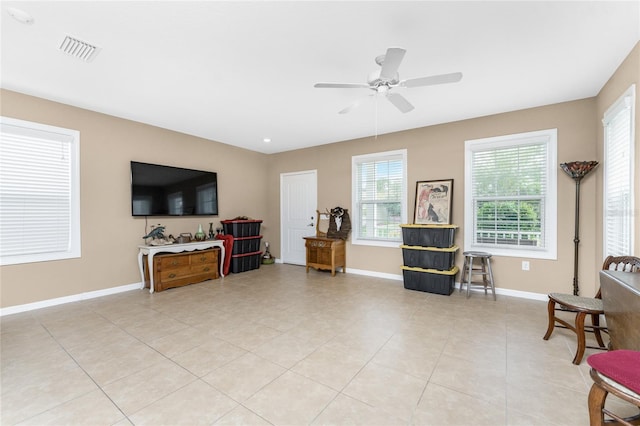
x=136, y=286
x=503, y=291
x=68, y=299
x=395, y=277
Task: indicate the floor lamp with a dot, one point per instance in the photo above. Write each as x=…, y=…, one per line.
x=577, y=170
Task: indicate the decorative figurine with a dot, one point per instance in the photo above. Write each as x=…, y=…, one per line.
x=157, y=232
x=267, y=258
x=339, y=223
x=157, y=237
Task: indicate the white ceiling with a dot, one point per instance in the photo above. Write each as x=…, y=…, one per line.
x=238, y=72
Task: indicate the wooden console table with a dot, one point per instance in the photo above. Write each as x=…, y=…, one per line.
x=325, y=253
x=151, y=251
x=621, y=300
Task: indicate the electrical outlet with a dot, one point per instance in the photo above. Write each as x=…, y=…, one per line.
x=525, y=265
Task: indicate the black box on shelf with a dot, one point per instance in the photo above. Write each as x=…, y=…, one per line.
x=441, y=236
x=245, y=262
x=430, y=280
x=442, y=259
x=241, y=228
x=244, y=245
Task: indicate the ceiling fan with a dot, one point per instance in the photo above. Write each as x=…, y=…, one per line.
x=385, y=79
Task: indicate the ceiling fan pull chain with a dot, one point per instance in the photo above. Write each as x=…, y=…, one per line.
x=376, y=117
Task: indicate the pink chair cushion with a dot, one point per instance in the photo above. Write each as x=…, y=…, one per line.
x=622, y=366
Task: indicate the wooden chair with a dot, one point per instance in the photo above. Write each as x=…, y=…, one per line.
x=617, y=373
x=583, y=306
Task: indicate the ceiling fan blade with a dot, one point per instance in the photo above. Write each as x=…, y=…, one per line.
x=431, y=80
x=391, y=63
x=400, y=102
x=341, y=86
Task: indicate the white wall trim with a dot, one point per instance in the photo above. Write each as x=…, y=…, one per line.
x=68, y=299
x=375, y=274
x=503, y=291
x=513, y=293
x=137, y=286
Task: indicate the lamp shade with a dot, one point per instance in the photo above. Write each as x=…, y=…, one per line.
x=578, y=169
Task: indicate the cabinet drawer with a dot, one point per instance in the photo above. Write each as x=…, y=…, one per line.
x=204, y=257
x=173, y=274
x=169, y=261
x=319, y=243
x=204, y=269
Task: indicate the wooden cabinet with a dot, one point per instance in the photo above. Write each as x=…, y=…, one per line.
x=178, y=269
x=325, y=253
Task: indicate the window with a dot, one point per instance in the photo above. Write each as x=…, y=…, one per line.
x=379, y=189
x=618, y=189
x=39, y=192
x=510, y=195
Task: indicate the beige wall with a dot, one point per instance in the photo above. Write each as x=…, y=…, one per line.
x=249, y=185
x=437, y=152
x=627, y=74
x=110, y=235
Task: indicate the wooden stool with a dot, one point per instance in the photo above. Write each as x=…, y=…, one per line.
x=618, y=373
x=484, y=269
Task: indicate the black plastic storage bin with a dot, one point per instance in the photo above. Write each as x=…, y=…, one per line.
x=430, y=280
x=245, y=262
x=440, y=236
x=429, y=257
x=244, y=245
x=241, y=228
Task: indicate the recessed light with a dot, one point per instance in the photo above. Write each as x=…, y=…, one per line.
x=20, y=15
x=266, y=140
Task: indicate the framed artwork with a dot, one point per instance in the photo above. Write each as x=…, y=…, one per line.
x=433, y=202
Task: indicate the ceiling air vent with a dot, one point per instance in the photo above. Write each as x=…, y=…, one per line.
x=79, y=49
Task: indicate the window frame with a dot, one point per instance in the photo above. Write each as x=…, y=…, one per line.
x=626, y=100
x=58, y=134
x=549, y=220
x=355, y=211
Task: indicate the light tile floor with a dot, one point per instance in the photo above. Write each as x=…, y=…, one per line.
x=279, y=346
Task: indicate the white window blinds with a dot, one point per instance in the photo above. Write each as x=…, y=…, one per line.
x=39, y=192
x=618, y=176
x=509, y=186
x=510, y=194
x=379, y=188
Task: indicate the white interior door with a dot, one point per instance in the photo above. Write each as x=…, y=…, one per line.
x=298, y=204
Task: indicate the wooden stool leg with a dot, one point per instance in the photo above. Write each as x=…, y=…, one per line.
x=470, y=269
x=493, y=286
x=483, y=269
x=464, y=272
x=597, y=398
x=551, y=309
x=581, y=337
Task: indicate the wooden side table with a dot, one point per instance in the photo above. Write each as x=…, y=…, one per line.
x=326, y=253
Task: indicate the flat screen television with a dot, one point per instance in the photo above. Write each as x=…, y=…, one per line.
x=158, y=190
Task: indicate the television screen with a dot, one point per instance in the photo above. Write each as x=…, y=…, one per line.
x=172, y=191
